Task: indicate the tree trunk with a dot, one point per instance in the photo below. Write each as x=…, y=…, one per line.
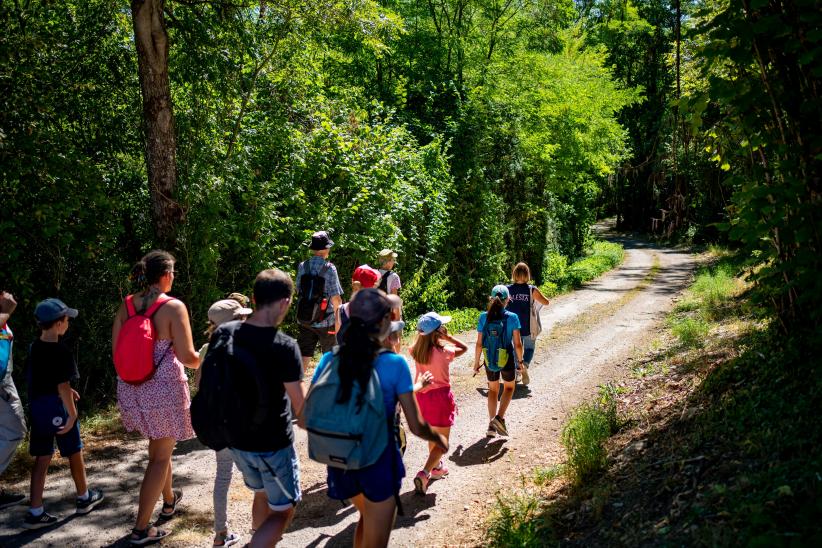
x=151, y=39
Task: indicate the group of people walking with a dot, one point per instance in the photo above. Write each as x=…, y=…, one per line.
x=250, y=390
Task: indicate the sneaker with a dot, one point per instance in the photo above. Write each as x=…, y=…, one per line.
x=84, y=506
x=226, y=538
x=492, y=432
x=518, y=377
x=526, y=378
x=10, y=499
x=498, y=424
x=439, y=472
x=421, y=482
x=36, y=522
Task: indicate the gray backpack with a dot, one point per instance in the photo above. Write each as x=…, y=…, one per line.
x=349, y=435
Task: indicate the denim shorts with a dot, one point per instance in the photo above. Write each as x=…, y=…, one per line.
x=277, y=473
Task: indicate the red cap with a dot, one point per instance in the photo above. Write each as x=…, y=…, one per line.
x=367, y=276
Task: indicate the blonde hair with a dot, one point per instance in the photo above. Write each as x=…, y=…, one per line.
x=424, y=345
x=521, y=272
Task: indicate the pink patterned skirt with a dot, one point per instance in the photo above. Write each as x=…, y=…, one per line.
x=158, y=408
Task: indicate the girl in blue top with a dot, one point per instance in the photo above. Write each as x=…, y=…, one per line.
x=374, y=489
x=513, y=345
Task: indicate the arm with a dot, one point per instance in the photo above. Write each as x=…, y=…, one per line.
x=461, y=349
x=518, y=345
x=336, y=300
x=424, y=380
x=119, y=319
x=537, y=295
x=7, y=306
x=296, y=393
x=417, y=424
x=181, y=335
x=67, y=396
x=477, y=352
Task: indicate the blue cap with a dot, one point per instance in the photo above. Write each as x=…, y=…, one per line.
x=500, y=291
x=53, y=309
x=430, y=322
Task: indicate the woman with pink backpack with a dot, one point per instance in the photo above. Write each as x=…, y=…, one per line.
x=152, y=342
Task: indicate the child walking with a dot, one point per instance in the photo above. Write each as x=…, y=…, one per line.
x=223, y=311
x=50, y=370
x=433, y=351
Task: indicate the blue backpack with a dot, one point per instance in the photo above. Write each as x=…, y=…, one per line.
x=495, y=344
x=349, y=435
x=6, y=339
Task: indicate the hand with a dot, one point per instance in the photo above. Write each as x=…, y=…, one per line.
x=69, y=424
x=75, y=395
x=7, y=303
x=426, y=378
x=476, y=369
x=441, y=442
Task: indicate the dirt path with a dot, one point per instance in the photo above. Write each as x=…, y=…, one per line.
x=600, y=325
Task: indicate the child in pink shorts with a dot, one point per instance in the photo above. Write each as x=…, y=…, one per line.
x=433, y=351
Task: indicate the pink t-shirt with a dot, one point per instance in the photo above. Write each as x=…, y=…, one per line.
x=438, y=364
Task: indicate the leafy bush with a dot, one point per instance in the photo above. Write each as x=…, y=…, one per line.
x=714, y=286
x=556, y=269
x=425, y=292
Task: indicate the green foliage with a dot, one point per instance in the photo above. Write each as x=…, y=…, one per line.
x=600, y=257
x=515, y=521
x=546, y=475
x=585, y=434
x=691, y=331
x=462, y=319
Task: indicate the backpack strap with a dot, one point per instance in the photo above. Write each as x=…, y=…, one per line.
x=130, y=310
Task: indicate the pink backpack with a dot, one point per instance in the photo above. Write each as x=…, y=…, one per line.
x=134, y=351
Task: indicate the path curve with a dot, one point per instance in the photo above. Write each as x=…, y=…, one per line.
x=564, y=373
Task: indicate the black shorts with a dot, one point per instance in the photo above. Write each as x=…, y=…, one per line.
x=308, y=337
x=508, y=373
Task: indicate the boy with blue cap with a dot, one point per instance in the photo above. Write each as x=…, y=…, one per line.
x=50, y=370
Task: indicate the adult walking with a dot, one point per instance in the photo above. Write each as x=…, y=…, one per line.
x=374, y=489
x=159, y=407
x=319, y=298
x=12, y=420
x=524, y=298
x=499, y=341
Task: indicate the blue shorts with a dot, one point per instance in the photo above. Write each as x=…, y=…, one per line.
x=377, y=482
x=41, y=441
x=277, y=473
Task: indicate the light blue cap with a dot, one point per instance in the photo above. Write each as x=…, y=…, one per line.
x=500, y=291
x=430, y=322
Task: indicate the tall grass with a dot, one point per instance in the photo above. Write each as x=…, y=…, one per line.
x=560, y=276
x=713, y=289
x=516, y=520
x=586, y=432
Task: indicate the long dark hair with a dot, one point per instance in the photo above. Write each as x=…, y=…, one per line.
x=495, y=309
x=151, y=268
x=356, y=355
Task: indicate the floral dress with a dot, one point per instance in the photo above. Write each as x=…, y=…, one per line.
x=158, y=408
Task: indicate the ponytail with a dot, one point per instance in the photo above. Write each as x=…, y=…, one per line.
x=495, y=309
x=356, y=354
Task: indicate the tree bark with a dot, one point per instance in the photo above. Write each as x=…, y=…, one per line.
x=151, y=40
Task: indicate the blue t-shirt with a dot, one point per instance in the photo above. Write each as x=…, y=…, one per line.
x=511, y=325
x=394, y=375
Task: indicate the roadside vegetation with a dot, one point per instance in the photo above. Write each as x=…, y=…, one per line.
x=711, y=440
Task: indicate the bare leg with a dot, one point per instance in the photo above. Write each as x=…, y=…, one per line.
x=377, y=522
x=493, y=395
x=38, y=480
x=78, y=472
x=507, y=394
x=434, y=453
x=274, y=523
x=359, y=503
x=155, y=478
x=259, y=510
x=168, y=492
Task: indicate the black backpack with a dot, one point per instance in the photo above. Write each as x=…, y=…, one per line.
x=233, y=402
x=310, y=307
x=384, y=281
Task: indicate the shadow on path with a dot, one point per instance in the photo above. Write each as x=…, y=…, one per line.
x=482, y=451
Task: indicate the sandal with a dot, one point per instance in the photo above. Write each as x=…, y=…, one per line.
x=140, y=537
x=224, y=538
x=170, y=508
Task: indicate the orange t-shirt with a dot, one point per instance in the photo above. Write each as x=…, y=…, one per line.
x=438, y=364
